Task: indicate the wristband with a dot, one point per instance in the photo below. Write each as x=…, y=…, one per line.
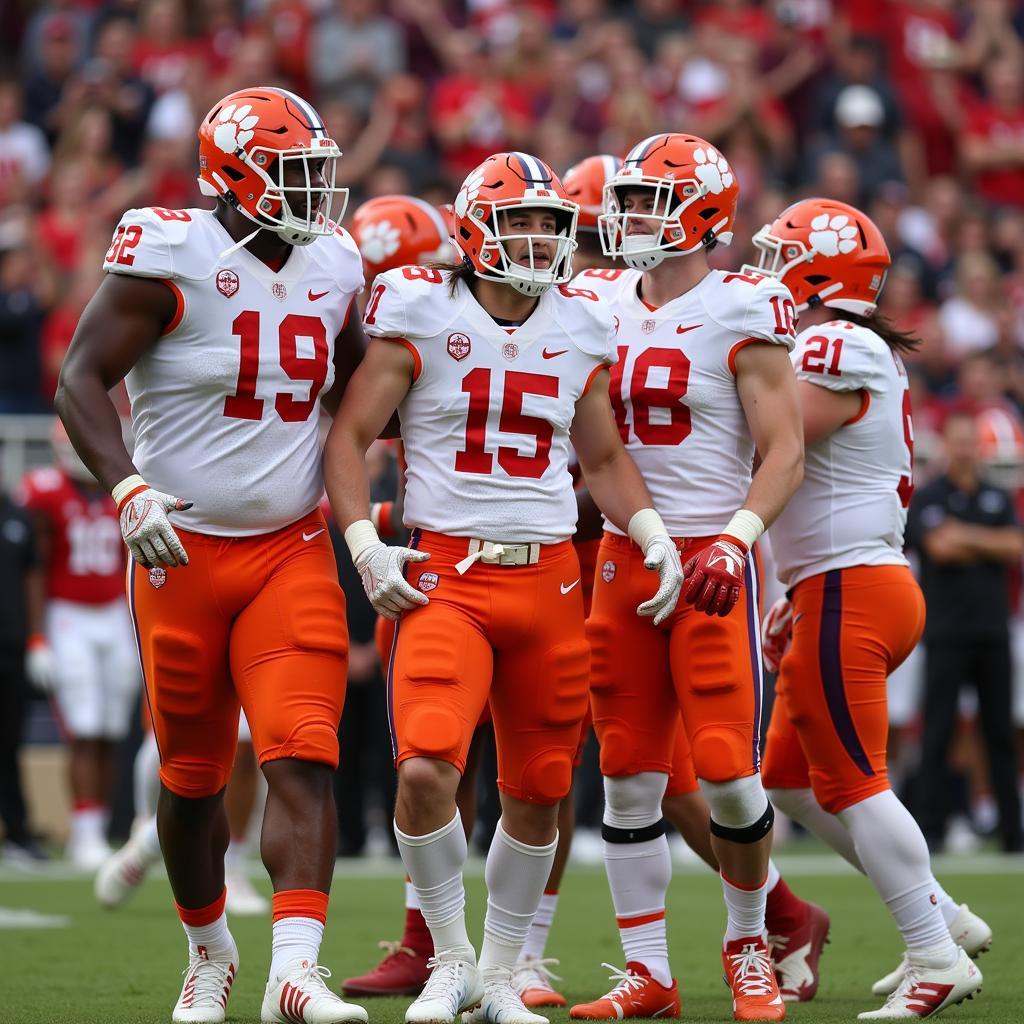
x=359, y=537
x=128, y=488
x=745, y=527
x=644, y=527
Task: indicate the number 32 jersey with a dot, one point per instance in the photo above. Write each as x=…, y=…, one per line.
x=225, y=406
x=851, y=508
x=486, y=421
x=674, y=388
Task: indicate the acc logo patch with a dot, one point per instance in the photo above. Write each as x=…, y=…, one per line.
x=227, y=283
x=510, y=350
x=458, y=346
x=428, y=581
x=608, y=571
x=157, y=578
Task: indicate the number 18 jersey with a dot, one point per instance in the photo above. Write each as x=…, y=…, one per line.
x=225, y=405
x=673, y=388
x=486, y=421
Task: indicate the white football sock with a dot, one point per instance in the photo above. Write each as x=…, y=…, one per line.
x=895, y=857
x=214, y=938
x=146, y=777
x=295, y=937
x=515, y=874
x=88, y=823
x=434, y=863
x=412, y=901
x=147, y=840
x=745, y=910
x=801, y=806
x=773, y=877
x=639, y=873
x=537, y=940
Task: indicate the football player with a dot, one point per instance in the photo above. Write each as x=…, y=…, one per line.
x=227, y=325
x=703, y=379
x=853, y=610
x=493, y=366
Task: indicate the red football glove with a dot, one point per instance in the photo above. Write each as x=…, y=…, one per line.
x=714, y=576
x=776, y=633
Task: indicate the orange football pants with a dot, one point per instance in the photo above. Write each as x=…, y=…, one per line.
x=829, y=726
x=512, y=636
x=253, y=620
x=643, y=676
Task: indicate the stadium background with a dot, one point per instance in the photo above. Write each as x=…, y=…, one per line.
x=915, y=111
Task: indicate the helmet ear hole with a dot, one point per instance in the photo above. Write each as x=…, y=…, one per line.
x=817, y=279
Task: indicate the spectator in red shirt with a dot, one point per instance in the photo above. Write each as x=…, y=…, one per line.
x=164, y=55
x=993, y=148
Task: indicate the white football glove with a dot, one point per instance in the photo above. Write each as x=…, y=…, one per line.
x=148, y=532
x=41, y=665
x=662, y=556
x=776, y=633
x=380, y=567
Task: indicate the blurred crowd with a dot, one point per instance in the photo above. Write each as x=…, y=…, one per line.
x=912, y=110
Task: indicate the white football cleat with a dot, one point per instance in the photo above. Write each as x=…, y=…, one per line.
x=122, y=873
x=204, y=996
x=243, y=899
x=501, y=1003
x=926, y=991
x=967, y=930
x=454, y=985
x=532, y=980
x=299, y=995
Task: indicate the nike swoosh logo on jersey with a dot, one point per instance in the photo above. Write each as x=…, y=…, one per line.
x=310, y=536
x=565, y=589
x=551, y=355
x=680, y=329
x=797, y=617
x=313, y=296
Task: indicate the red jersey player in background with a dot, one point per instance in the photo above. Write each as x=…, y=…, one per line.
x=93, y=667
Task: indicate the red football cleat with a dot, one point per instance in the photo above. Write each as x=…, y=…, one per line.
x=636, y=994
x=402, y=972
x=796, y=950
x=751, y=976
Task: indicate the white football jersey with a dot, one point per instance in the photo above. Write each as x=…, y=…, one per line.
x=674, y=388
x=486, y=421
x=225, y=407
x=851, y=508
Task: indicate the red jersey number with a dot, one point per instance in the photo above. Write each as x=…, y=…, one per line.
x=905, y=488
x=125, y=239
x=645, y=397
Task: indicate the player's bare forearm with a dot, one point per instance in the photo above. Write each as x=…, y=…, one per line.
x=345, y=477
x=994, y=543
x=35, y=599
x=776, y=481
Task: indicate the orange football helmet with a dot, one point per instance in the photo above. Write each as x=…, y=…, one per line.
x=266, y=152
x=584, y=185
x=510, y=181
x=695, y=197
x=826, y=252
x=396, y=231
x=1001, y=448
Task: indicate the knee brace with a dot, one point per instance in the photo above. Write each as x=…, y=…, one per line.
x=740, y=811
x=632, y=807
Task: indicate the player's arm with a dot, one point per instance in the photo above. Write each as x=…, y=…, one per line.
x=618, y=489
x=825, y=411
x=377, y=388
x=123, y=320
x=349, y=349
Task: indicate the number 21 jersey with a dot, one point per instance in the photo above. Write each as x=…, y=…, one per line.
x=225, y=406
x=673, y=388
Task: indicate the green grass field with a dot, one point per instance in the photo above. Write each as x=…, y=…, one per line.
x=110, y=968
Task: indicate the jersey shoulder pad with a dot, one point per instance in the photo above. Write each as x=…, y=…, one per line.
x=586, y=317
x=339, y=256
x=753, y=306
x=38, y=486
x=604, y=280
x=149, y=242
x=410, y=302
x=842, y=356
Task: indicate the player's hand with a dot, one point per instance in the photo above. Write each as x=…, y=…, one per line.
x=776, y=633
x=40, y=664
x=380, y=567
x=662, y=557
x=714, y=576
x=148, y=532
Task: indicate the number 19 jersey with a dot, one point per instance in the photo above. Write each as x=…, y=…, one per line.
x=225, y=406
x=673, y=388
x=486, y=421
x=851, y=508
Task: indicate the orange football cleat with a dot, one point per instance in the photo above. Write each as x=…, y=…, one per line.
x=751, y=976
x=636, y=994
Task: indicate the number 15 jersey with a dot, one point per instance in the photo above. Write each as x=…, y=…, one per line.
x=674, y=388
x=486, y=421
x=225, y=405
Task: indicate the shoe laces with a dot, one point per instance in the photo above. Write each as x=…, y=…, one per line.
x=753, y=973
x=394, y=949
x=445, y=973
x=208, y=979
x=534, y=972
x=626, y=982
x=779, y=942
x=500, y=994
